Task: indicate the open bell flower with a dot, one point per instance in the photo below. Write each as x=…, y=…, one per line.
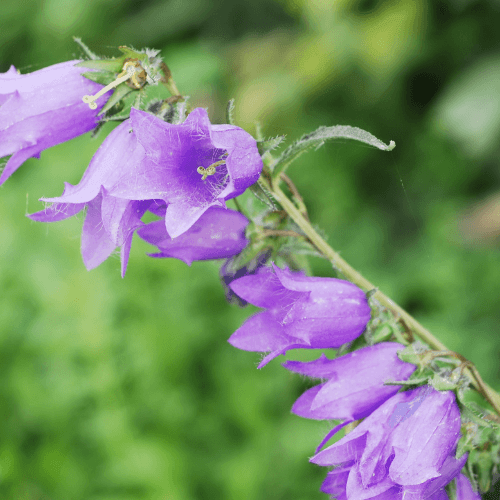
x=191, y=166
x=110, y=221
x=405, y=449
x=218, y=233
x=355, y=382
x=44, y=108
x=302, y=312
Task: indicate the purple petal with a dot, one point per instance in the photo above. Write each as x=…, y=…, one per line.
x=464, y=489
x=320, y=368
x=261, y=332
x=356, y=386
x=424, y=441
x=218, y=233
x=97, y=246
x=244, y=162
x=57, y=212
x=42, y=109
x=265, y=290
x=116, y=158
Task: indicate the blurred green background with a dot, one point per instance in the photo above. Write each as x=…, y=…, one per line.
x=118, y=389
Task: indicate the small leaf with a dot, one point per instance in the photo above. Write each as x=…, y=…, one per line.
x=263, y=195
x=269, y=144
x=230, y=112
x=317, y=139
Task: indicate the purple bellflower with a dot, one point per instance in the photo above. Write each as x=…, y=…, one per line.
x=404, y=450
x=191, y=166
x=115, y=186
x=354, y=388
x=44, y=108
x=302, y=312
x=110, y=221
x=218, y=233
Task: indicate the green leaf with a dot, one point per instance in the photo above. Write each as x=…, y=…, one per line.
x=263, y=195
x=318, y=138
x=230, y=112
x=269, y=144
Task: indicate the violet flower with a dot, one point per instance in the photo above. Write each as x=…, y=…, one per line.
x=218, y=233
x=403, y=450
x=355, y=386
x=302, y=312
x=110, y=221
x=191, y=166
x=44, y=108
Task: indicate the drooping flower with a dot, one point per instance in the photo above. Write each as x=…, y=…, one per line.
x=404, y=450
x=191, y=166
x=110, y=221
x=355, y=386
x=44, y=108
x=218, y=233
x=301, y=312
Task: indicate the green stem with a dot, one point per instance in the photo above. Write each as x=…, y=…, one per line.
x=355, y=277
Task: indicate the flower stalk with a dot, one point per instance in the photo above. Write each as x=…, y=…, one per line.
x=355, y=277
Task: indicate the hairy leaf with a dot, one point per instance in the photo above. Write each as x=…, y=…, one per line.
x=317, y=139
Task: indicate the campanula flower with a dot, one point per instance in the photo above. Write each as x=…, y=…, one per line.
x=218, y=233
x=191, y=166
x=404, y=450
x=44, y=108
x=110, y=220
x=301, y=312
x=355, y=382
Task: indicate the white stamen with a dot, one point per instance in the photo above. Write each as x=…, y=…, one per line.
x=122, y=77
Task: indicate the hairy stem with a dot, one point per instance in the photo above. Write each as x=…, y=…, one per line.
x=355, y=277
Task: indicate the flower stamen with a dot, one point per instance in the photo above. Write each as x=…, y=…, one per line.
x=129, y=71
x=210, y=170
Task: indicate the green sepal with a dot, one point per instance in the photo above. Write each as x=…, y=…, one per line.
x=317, y=139
x=114, y=65
x=102, y=77
x=120, y=92
x=269, y=144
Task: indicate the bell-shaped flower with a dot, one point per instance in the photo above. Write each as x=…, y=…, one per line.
x=355, y=382
x=405, y=449
x=44, y=108
x=218, y=233
x=191, y=166
x=302, y=312
x=110, y=221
